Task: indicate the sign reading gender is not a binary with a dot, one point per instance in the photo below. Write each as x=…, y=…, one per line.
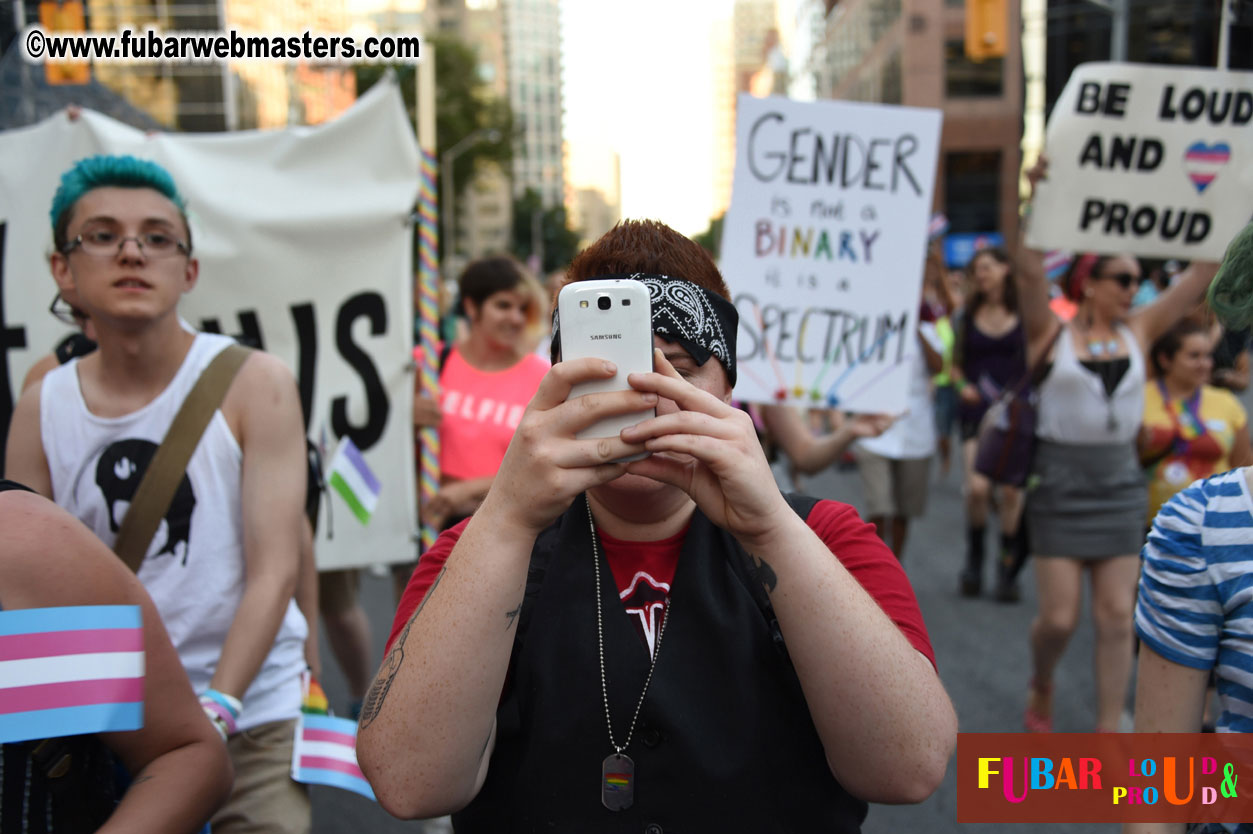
x=823, y=249
x=1155, y=161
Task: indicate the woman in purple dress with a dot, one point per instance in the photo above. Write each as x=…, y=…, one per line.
x=990, y=357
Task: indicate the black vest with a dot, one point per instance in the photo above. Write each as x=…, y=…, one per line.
x=724, y=740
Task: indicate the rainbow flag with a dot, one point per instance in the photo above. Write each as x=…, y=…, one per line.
x=69, y=671
x=326, y=754
x=354, y=481
x=617, y=781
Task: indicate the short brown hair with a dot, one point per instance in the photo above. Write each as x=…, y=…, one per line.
x=650, y=247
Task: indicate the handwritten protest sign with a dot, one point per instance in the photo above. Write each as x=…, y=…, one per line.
x=1155, y=161
x=823, y=249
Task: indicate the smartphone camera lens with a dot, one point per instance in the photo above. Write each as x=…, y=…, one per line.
x=604, y=302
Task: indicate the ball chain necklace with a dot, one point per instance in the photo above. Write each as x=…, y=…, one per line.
x=617, y=785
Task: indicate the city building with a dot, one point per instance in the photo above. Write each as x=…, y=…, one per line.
x=485, y=207
x=747, y=57
x=912, y=52
x=532, y=46
x=1058, y=36
x=221, y=96
x=595, y=200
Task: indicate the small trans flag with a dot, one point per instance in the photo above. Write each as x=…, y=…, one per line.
x=1056, y=262
x=326, y=754
x=937, y=226
x=353, y=480
x=69, y=671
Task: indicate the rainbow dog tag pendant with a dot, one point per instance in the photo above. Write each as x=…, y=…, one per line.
x=617, y=784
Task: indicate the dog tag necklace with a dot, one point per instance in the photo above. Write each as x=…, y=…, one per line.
x=617, y=772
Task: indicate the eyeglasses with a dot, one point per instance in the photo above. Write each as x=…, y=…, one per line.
x=65, y=312
x=1126, y=280
x=103, y=243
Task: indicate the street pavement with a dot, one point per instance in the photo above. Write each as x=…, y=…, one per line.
x=980, y=647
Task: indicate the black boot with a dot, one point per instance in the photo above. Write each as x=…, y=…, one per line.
x=1007, y=567
x=972, y=575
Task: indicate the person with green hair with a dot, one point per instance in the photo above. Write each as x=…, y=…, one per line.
x=223, y=567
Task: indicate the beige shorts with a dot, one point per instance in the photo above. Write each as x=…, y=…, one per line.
x=264, y=798
x=893, y=487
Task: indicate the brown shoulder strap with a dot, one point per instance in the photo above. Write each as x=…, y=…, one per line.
x=169, y=464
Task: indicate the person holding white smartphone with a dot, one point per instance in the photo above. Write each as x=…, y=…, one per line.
x=668, y=642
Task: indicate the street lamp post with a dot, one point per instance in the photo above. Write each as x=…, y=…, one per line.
x=446, y=161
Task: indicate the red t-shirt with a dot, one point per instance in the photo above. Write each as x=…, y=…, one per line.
x=643, y=572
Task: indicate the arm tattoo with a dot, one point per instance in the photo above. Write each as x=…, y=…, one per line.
x=766, y=574
x=512, y=617
x=391, y=664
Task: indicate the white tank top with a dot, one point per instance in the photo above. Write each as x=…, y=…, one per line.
x=194, y=568
x=1073, y=407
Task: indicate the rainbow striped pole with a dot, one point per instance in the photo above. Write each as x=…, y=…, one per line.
x=428, y=322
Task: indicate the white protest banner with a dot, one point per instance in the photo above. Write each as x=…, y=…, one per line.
x=823, y=249
x=304, y=248
x=1152, y=160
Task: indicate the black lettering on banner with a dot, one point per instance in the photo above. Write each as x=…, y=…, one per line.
x=1122, y=152
x=1217, y=106
x=249, y=333
x=10, y=338
x=1118, y=218
x=1110, y=102
x=306, y=355
x=371, y=306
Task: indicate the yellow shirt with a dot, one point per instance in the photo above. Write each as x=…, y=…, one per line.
x=1180, y=450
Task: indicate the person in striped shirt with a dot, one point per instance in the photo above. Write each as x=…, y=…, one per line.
x=1194, y=614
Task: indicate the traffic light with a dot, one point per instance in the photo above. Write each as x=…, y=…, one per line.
x=987, y=28
x=65, y=16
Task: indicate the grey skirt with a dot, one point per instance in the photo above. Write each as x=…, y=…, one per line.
x=1086, y=502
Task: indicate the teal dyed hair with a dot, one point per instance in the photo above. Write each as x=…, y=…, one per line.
x=103, y=171
x=1231, y=293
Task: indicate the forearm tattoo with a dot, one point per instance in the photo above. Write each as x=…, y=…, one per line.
x=391, y=664
x=511, y=617
x=766, y=574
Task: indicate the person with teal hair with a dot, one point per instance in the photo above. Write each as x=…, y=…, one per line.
x=113, y=171
x=223, y=567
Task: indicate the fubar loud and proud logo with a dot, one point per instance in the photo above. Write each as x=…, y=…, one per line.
x=1100, y=778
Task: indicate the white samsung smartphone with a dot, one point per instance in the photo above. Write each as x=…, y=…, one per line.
x=608, y=319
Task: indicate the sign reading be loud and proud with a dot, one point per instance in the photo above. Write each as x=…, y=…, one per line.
x=1155, y=161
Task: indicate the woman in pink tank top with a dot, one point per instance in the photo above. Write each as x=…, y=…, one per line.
x=486, y=380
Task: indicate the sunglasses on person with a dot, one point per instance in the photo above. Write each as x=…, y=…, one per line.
x=1126, y=280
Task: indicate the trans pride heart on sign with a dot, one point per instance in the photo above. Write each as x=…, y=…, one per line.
x=1202, y=162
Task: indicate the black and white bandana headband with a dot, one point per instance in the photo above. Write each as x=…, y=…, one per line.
x=703, y=322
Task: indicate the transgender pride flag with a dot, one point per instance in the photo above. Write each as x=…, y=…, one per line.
x=68, y=671
x=326, y=754
x=354, y=481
